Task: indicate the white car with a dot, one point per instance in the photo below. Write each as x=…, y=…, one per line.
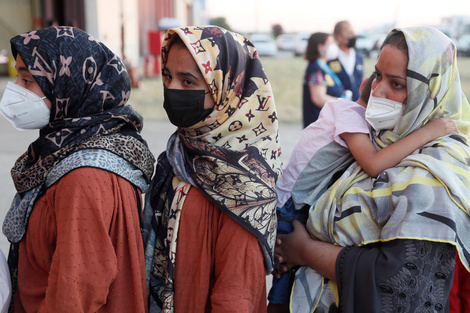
x=369, y=44
x=463, y=46
x=264, y=44
x=365, y=44
x=286, y=42
x=301, y=42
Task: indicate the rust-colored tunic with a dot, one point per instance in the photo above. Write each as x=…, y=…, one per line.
x=219, y=264
x=83, y=249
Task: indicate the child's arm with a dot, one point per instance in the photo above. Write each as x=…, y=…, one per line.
x=375, y=162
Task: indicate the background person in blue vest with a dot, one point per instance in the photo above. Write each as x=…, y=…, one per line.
x=320, y=83
x=348, y=66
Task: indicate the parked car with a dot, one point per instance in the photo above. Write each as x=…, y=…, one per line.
x=365, y=44
x=264, y=44
x=301, y=41
x=285, y=42
x=463, y=46
x=369, y=44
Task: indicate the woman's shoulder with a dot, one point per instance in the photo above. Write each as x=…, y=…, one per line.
x=88, y=171
x=95, y=164
x=313, y=66
x=196, y=196
x=89, y=178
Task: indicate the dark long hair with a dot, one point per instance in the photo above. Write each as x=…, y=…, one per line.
x=312, y=53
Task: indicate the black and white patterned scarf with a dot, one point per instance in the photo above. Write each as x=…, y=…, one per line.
x=88, y=87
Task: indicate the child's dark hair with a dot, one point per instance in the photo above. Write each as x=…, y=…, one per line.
x=365, y=92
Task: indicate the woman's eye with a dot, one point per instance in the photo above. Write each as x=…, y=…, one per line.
x=188, y=82
x=397, y=85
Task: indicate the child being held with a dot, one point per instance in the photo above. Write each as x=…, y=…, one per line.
x=325, y=149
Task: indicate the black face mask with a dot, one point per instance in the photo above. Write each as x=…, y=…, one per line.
x=185, y=107
x=352, y=42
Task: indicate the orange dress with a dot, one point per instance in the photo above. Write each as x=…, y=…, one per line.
x=219, y=264
x=83, y=251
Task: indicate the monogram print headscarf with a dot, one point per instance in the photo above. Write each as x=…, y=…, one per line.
x=232, y=157
x=88, y=87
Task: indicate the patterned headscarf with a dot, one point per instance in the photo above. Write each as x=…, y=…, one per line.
x=88, y=87
x=433, y=84
x=232, y=157
x=245, y=114
x=426, y=196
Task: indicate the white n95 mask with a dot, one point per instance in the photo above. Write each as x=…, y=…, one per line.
x=332, y=52
x=23, y=108
x=382, y=113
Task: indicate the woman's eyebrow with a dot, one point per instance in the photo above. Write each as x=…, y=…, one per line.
x=23, y=69
x=187, y=74
x=184, y=74
x=396, y=76
x=389, y=75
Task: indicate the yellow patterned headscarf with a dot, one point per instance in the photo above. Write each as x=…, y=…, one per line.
x=433, y=84
x=232, y=157
x=429, y=187
x=427, y=195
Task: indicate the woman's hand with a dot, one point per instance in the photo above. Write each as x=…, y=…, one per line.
x=289, y=248
x=299, y=248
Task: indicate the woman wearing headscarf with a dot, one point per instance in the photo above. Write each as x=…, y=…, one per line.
x=74, y=222
x=209, y=218
x=401, y=230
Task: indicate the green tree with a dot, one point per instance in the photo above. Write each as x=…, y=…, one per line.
x=221, y=22
x=277, y=29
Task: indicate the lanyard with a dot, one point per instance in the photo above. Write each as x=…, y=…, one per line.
x=328, y=70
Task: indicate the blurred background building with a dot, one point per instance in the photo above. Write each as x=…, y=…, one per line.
x=133, y=29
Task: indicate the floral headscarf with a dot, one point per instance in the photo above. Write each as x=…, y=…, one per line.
x=88, y=87
x=232, y=157
x=245, y=114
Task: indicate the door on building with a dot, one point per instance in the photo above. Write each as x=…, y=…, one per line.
x=64, y=13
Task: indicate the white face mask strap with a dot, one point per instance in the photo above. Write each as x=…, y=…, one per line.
x=40, y=99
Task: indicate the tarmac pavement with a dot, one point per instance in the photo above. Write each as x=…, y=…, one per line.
x=13, y=143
